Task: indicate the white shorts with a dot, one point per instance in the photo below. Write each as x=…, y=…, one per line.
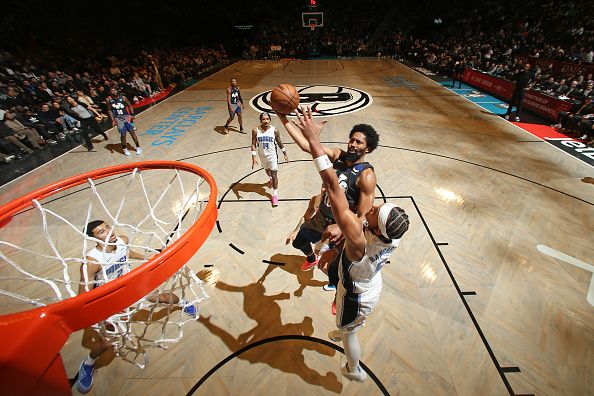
x=352, y=309
x=269, y=162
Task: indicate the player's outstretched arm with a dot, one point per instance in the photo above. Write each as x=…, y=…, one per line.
x=348, y=222
x=301, y=141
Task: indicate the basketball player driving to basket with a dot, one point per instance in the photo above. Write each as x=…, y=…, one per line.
x=357, y=179
x=368, y=245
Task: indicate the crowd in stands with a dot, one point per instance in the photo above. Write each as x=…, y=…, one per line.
x=34, y=107
x=487, y=36
x=284, y=31
x=494, y=38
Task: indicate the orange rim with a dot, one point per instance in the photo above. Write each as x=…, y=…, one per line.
x=31, y=359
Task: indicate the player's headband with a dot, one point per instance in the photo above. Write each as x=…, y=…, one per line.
x=382, y=218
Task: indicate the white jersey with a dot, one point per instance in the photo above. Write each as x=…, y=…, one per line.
x=360, y=282
x=360, y=276
x=266, y=142
x=113, y=263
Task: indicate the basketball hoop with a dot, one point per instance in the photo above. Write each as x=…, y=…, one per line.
x=312, y=20
x=30, y=361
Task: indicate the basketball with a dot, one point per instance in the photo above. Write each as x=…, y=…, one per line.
x=284, y=99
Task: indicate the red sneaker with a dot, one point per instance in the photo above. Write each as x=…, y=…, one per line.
x=306, y=266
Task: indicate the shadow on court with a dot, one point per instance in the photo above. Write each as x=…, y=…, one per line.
x=256, y=188
x=286, y=355
x=293, y=266
x=151, y=318
x=117, y=148
x=220, y=129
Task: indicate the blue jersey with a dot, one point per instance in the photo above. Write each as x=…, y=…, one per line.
x=235, y=95
x=347, y=179
x=118, y=106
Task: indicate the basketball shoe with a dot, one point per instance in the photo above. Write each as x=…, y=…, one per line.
x=358, y=375
x=329, y=287
x=138, y=151
x=274, y=200
x=307, y=265
x=84, y=383
x=190, y=310
x=126, y=152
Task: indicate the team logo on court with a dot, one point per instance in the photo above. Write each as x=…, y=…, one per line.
x=324, y=100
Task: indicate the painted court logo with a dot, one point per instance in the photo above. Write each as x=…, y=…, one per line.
x=324, y=100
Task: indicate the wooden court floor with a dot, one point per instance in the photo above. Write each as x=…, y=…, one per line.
x=470, y=305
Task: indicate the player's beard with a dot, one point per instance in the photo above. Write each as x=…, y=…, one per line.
x=353, y=156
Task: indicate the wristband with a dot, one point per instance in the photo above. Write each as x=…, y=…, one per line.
x=254, y=153
x=322, y=163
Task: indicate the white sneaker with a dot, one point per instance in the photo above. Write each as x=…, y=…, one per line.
x=517, y=119
x=359, y=374
x=126, y=152
x=506, y=117
x=138, y=151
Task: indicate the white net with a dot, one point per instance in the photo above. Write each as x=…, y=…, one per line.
x=44, y=253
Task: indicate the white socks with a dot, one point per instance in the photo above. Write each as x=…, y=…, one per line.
x=352, y=350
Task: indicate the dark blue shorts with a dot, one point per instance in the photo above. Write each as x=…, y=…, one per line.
x=309, y=235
